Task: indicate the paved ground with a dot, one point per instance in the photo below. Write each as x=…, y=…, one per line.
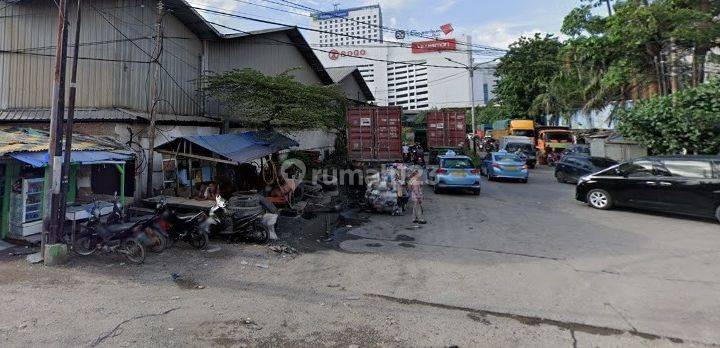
x=520, y=265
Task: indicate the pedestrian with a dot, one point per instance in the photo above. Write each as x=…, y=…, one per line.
x=406, y=152
x=416, y=186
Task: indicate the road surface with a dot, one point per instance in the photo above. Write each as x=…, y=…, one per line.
x=519, y=265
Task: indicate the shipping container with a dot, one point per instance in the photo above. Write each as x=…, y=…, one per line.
x=446, y=129
x=375, y=133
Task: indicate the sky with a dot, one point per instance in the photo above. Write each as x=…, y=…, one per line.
x=496, y=23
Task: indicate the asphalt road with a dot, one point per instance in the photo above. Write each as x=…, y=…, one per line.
x=519, y=265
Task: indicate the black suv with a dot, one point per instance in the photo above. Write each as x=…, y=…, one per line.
x=677, y=184
x=573, y=167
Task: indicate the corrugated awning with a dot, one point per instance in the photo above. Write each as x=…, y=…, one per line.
x=40, y=159
x=234, y=147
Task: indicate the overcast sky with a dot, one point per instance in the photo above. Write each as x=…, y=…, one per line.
x=491, y=22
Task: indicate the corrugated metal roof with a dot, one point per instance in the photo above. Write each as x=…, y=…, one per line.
x=13, y=140
x=237, y=147
x=41, y=159
x=114, y=114
x=340, y=73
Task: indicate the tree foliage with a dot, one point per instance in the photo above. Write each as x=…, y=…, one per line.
x=688, y=120
x=254, y=99
x=525, y=72
x=488, y=114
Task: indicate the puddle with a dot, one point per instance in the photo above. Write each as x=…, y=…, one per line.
x=404, y=238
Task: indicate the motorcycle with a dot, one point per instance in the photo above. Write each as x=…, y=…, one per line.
x=222, y=222
x=418, y=157
x=552, y=158
x=125, y=239
x=184, y=228
x=156, y=237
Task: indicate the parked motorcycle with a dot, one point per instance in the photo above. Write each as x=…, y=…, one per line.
x=125, y=239
x=223, y=222
x=553, y=158
x=184, y=228
x=156, y=238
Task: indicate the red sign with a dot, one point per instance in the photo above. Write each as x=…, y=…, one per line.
x=335, y=54
x=434, y=46
x=446, y=28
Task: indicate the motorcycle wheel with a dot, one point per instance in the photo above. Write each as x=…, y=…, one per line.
x=198, y=240
x=134, y=251
x=161, y=242
x=85, y=245
x=261, y=234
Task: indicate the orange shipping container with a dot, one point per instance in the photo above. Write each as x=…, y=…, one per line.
x=375, y=133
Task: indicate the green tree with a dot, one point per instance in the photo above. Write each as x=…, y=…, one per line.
x=488, y=114
x=254, y=99
x=688, y=120
x=525, y=72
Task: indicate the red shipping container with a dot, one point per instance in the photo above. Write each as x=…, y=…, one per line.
x=375, y=133
x=446, y=128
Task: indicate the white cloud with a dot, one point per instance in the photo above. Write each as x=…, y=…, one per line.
x=391, y=4
x=500, y=34
x=444, y=5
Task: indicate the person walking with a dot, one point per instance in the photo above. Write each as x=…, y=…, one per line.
x=406, y=152
x=416, y=186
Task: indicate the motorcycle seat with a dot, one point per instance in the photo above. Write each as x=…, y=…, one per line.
x=119, y=227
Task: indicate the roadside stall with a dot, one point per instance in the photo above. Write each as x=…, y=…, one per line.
x=200, y=167
x=25, y=158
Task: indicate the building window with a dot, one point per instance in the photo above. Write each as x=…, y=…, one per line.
x=486, y=93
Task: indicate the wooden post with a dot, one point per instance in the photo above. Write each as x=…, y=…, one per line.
x=52, y=215
x=155, y=98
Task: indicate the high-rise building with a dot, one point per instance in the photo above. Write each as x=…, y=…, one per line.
x=355, y=26
x=413, y=75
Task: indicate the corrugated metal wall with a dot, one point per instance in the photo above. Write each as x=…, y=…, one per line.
x=266, y=54
x=119, y=73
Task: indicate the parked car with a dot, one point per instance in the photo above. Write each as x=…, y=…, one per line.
x=504, y=165
x=456, y=172
x=577, y=149
x=572, y=167
x=676, y=184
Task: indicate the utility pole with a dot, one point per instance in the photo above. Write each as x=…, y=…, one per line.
x=609, y=7
x=52, y=216
x=65, y=185
x=471, y=76
x=471, y=70
x=155, y=98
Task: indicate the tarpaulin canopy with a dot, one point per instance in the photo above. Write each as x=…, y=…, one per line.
x=40, y=159
x=233, y=147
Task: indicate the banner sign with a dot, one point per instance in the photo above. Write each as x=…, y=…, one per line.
x=335, y=54
x=434, y=46
x=330, y=15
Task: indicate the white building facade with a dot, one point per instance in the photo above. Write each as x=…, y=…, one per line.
x=415, y=79
x=356, y=26
x=414, y=75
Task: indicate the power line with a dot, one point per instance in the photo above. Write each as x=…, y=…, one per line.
x=99, y=59
x=153, y=59
x=364, y=58
x=389, y=29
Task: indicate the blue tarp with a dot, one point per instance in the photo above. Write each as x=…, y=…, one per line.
x=40, y=159
x=238, y=147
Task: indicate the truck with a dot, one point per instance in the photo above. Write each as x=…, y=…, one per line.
x=524, y=145
x=446, y=129
x=374, y=133
x=501, y=128
x=551, y=140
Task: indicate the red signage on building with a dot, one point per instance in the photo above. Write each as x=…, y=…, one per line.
x=335, y=54
x=434, y=46
x=446, y=28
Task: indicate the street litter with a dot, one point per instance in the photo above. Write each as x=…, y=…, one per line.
x=283, y=249
x=262, y=265
x=388, y=190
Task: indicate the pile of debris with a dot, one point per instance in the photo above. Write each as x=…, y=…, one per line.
x=388, y=190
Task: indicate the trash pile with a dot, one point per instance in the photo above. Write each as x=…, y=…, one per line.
x=388, y=191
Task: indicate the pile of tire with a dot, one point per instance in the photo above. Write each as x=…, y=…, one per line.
x=242, y=205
